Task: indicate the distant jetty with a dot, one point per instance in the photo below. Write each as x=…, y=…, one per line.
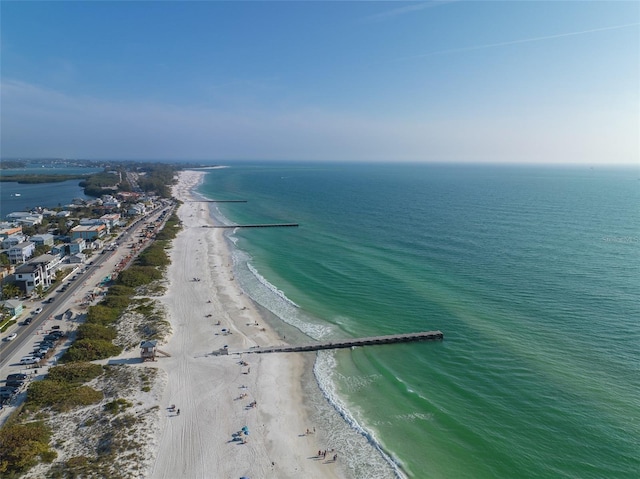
x=217, y=201
x=267, y=225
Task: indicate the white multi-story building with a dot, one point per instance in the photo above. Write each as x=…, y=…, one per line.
x=40, y=271
x=21, y=252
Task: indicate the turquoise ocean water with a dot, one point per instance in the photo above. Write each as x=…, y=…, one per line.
x=532, y=274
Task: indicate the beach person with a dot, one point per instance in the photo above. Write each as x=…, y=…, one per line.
x=178, y=412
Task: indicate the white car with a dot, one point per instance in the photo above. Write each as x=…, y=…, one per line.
x=37, y=311
x=11, y=337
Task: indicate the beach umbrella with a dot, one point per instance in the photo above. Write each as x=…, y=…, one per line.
x=244, y=428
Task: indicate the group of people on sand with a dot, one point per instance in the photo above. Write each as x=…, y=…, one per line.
x=172, y=408
x=323, y=455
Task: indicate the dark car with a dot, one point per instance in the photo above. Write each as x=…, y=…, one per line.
x=14, y=384
x=8, y=390
x=51, y=337
x=16, y=377
x=27, y=320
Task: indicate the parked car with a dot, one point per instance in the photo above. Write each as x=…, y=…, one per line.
x=16, y=377
x=11, y=337
x=9, y=389
x=15, y=384
x=29, y=360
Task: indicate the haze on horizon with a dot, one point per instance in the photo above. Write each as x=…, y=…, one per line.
x=437, y=81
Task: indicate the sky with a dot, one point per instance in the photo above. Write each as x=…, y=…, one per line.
x=546, y=82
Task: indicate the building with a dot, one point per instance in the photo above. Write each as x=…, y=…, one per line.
x=38, y=272
x=111, y=220
x=59, y=250
x=137, y=209
x=88, y=232
x=49, y=264
x=24, y=218
x=148, y=350
x=12, y=240
x=8, y=229
x=28, y=277
x=78, y=258
x=21, y=252
x=44, y=239
x=14, y=306
x=78, y=245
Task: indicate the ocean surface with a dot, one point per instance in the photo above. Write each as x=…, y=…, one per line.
x=531, y=273
x=23, y=197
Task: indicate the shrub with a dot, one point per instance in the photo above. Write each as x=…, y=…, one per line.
x=117, y=405
x=96, y=331
x=21, y=445
x=138, y=275
x=60, y=396
x=75, y=373
x=90, y=350
x=102, y=315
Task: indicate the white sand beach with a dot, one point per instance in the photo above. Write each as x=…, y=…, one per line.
x=214, y=393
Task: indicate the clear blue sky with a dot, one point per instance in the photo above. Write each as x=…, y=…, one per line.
x=541, y=81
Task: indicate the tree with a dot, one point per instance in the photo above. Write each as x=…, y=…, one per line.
x=41, y=249
x=10, y=290
x=38, y=290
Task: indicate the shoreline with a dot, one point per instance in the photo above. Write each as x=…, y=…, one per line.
x=215, y=394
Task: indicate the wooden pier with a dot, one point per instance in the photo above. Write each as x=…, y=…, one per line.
x=216, y=201
x=268, y=225
x=349, y=343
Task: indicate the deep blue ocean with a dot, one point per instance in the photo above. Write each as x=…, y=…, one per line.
x=531, y=273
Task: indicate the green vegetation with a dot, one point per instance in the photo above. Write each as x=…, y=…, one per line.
x=12, y=164
x=75, y=373
x=95, y=331
x=117, y=405
x=139, y=275
x=90, y=350
x=63, y=388
x=157, y=177
x=59, y=396
x=22, y=446
x=170, y=229
x=35, y=179
x=6, y=324
x=100, y=184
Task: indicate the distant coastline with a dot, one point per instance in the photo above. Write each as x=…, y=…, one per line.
x=46, y=178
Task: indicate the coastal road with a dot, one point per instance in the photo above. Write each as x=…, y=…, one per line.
x=100, y=266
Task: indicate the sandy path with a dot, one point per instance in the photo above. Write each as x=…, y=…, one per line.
x=207, y=389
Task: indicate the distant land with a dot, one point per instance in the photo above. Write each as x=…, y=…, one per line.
x=44, y=178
